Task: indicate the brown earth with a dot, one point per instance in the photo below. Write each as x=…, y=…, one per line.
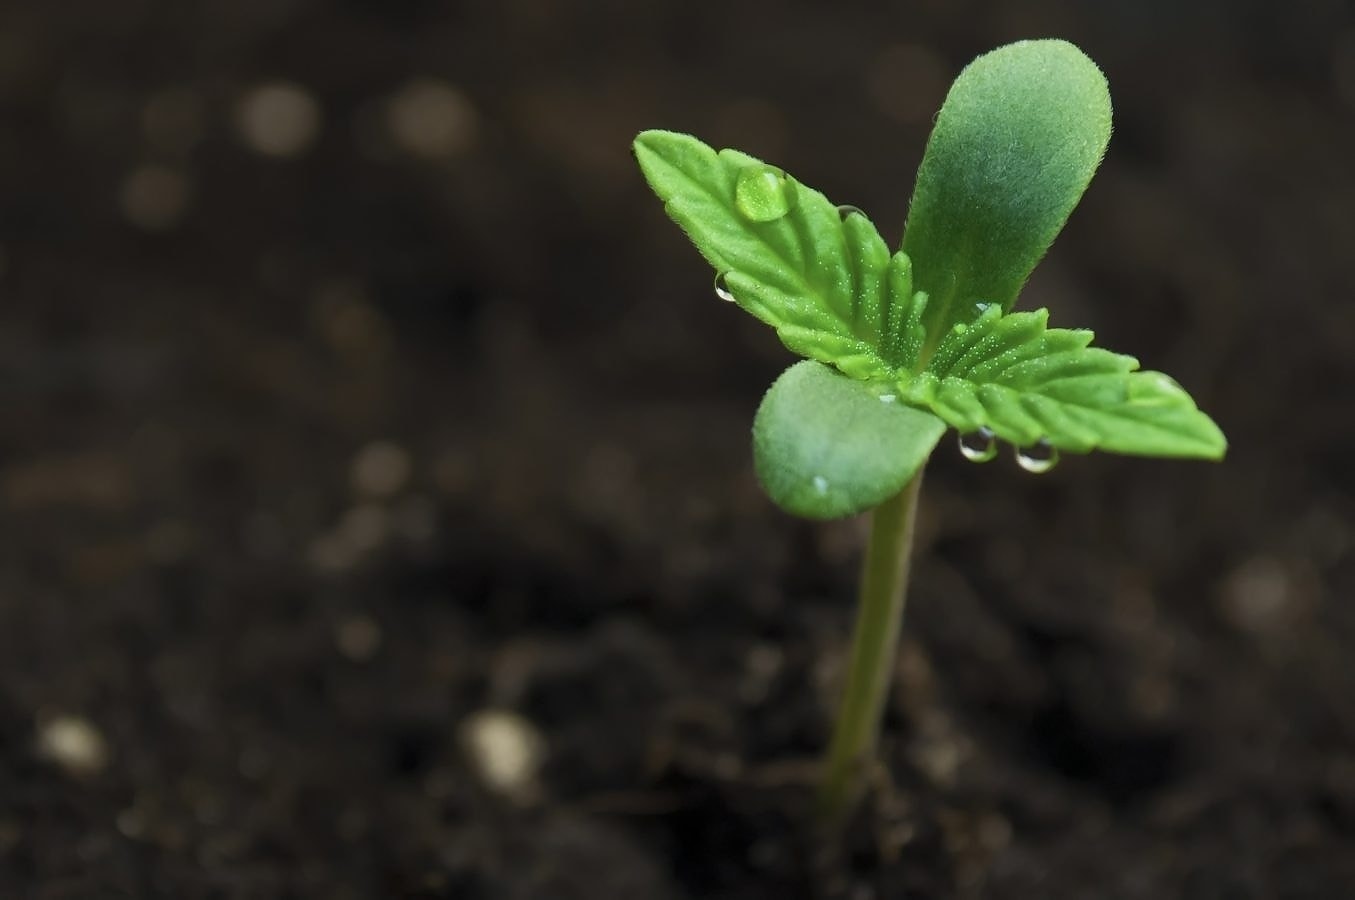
x=354, y=421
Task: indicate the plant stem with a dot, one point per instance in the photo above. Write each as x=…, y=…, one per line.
x=879, y=615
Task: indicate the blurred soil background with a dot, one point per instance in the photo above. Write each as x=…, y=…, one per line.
x=376, y=509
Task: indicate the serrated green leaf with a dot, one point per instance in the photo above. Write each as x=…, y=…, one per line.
x=1015, y=144
x=1026, y=382
x=827, y=446
x=822, y=277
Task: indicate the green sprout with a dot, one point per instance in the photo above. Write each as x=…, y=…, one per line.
x=900, y=347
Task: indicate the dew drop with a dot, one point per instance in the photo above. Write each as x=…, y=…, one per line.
x=722, y=288
x=763, y=193
x=848, y=210
x=889, y=398
x=820, y=485
x=1038, y=458
x=978, y=446
x=960, y=328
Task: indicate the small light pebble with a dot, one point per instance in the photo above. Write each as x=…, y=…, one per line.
x=74, y=743
x=1258, y=594
x=343, y=313
x=505, y=749
x=380, y=469
x=155, y=198
x=762, y=665
x=131, y=823
x=358, y=637
x=278, y=119
x=431, y=119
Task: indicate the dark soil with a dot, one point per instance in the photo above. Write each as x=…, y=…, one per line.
x=311, y=464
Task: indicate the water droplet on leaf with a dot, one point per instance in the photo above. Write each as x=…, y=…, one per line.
x=820, y=485
x=722, y=288
x=763, y=193
x=847, y=210
x=978, y=446
x=1038, y=458
x=960, y=328
x=888, y=398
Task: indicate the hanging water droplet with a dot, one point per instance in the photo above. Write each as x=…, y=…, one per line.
x=1038, y=458
x=722, y=287
x=820, y=485
x=847, y=210
x=763, y=193
x=978, y=446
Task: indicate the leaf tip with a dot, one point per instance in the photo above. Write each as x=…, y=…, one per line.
x=1216, y=444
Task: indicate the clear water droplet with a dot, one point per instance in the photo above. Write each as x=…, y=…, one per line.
x=848, y=210
x=889, y=398
x=820, y=485
x=763, y=193
x=1038, y=458
x=960, y=328
x=722, y=288
x=978, y=446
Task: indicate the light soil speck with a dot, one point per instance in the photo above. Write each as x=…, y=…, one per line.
x=432, y=119
x=74, y=743
x=279, y=119
x=506, y=751
x=358, y=637
x=155, y=198
x=380, y=469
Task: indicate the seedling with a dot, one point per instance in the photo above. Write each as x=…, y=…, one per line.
x=900, y=347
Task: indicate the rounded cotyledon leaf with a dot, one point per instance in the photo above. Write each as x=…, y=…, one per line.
x=826, y=446
x=1016, y=143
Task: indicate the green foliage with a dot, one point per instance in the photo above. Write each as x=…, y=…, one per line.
x=1018, y=139
x=826, y=445
x=1026, y=383
x=784, y=253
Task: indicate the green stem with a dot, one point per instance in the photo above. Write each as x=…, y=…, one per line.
x=879, y=615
